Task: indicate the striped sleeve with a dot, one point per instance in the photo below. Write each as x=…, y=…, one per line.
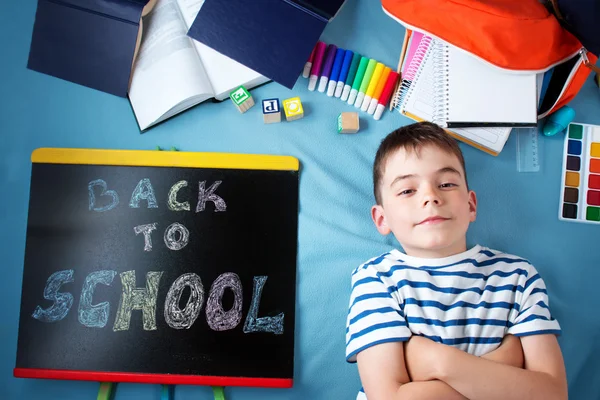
x=374, y=314
x=534, y=316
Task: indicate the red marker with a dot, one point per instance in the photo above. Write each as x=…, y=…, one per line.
x=308, y=65
x=315, y=70
x=386, y=94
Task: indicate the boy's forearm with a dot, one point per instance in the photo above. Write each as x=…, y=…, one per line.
x=478, y=378
x=429, y=390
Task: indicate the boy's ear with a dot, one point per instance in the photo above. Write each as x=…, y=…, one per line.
x=472, y=206
x=378, y=216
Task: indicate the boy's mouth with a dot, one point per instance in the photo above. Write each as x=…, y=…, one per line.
x=436, y=219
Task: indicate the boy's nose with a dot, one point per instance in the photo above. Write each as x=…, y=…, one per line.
x=431, y=196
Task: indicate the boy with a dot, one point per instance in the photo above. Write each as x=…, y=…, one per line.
x=441, y=321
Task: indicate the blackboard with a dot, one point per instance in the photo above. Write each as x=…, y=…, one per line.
x=162, y=267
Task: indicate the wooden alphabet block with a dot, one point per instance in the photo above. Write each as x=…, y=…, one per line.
x=348, y=122
x=271, y=111
x=293, y=108
x=242, y=99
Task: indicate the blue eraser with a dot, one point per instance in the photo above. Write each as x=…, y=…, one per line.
x=558, y=121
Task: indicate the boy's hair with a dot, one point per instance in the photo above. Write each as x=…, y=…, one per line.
x=413, y=137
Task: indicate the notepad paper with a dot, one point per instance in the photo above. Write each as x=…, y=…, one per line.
x=419, y=104
x=477, y=93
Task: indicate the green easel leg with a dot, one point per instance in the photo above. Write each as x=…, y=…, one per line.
x=218, y=392
x=105, y=392
x=167, y=392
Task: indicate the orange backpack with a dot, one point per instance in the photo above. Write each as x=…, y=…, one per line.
x=516, y=35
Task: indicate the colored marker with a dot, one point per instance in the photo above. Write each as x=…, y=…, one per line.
x=365, y=82
x=378, y=90
x=308, y=65
x=343, y=73
x=335, y=71
x=350, y=78
x=386, y=94
x=316, y=67
x=327, y=65
x=360, y=73
x=372, y=85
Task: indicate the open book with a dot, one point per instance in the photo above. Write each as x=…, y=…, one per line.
x=173, y=72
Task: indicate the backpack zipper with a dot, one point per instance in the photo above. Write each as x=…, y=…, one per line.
x=582, y=60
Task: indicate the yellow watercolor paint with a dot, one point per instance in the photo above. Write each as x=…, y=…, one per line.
x=572, y=179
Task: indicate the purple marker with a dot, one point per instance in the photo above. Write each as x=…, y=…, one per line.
x=327, y=65
x=316, y=67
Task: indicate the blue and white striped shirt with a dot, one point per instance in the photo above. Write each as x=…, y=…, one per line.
x=469, y=300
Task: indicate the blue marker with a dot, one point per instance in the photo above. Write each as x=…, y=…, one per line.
x=335, y=72
x=344, y=72
x=327, y=65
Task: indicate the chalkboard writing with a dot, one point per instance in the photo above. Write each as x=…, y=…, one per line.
x=163, y=272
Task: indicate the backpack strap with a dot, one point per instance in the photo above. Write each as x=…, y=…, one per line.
x=556, y=11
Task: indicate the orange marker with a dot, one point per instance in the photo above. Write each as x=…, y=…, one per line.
x=378, y=90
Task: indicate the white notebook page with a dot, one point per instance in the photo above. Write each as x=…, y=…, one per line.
x=478, y=92
x=420, y=100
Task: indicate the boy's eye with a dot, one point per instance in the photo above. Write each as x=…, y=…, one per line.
x=405, y=192
x=448, y=185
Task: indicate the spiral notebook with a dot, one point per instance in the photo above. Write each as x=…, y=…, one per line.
x=475, y=93
x=416, y=98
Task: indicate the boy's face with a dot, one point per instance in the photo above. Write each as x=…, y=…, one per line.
x=425, y=202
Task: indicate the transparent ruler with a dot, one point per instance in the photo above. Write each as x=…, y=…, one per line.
x=528, y=149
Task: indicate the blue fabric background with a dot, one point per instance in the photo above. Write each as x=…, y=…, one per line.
x=517, y=211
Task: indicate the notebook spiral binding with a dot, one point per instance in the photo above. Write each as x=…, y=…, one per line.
x=411, y=71
x=441, y=104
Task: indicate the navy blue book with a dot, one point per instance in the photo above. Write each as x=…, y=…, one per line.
x=88, y=42
x=272, y=37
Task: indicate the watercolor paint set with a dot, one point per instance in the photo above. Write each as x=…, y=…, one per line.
x=580, y=188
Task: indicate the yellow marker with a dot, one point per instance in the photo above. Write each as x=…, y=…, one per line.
x=293, y=108
x=378, y=90
x=372, y=85
x=365, y=82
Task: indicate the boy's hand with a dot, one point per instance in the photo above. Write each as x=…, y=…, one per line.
x=510, y=352
x=421, y=355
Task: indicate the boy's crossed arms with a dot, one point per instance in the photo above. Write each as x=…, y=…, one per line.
x=530, y=367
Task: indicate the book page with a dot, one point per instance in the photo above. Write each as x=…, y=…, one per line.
x=168, y=71
x=225, y=74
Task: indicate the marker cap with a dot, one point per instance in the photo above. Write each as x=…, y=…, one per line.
x=331, y=88
x=339, y=88
x=379, y=112
x=359, y=99
x=312, y=82
x=345, y=92
x=365, y=104
x=372, y=106
x=352, y=96
x=323, y=84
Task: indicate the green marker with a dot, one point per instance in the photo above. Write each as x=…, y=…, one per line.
x=360, y=73
x=350, y=77
x=365, y=82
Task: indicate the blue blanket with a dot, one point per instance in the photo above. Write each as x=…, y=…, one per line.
x=518, y=212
